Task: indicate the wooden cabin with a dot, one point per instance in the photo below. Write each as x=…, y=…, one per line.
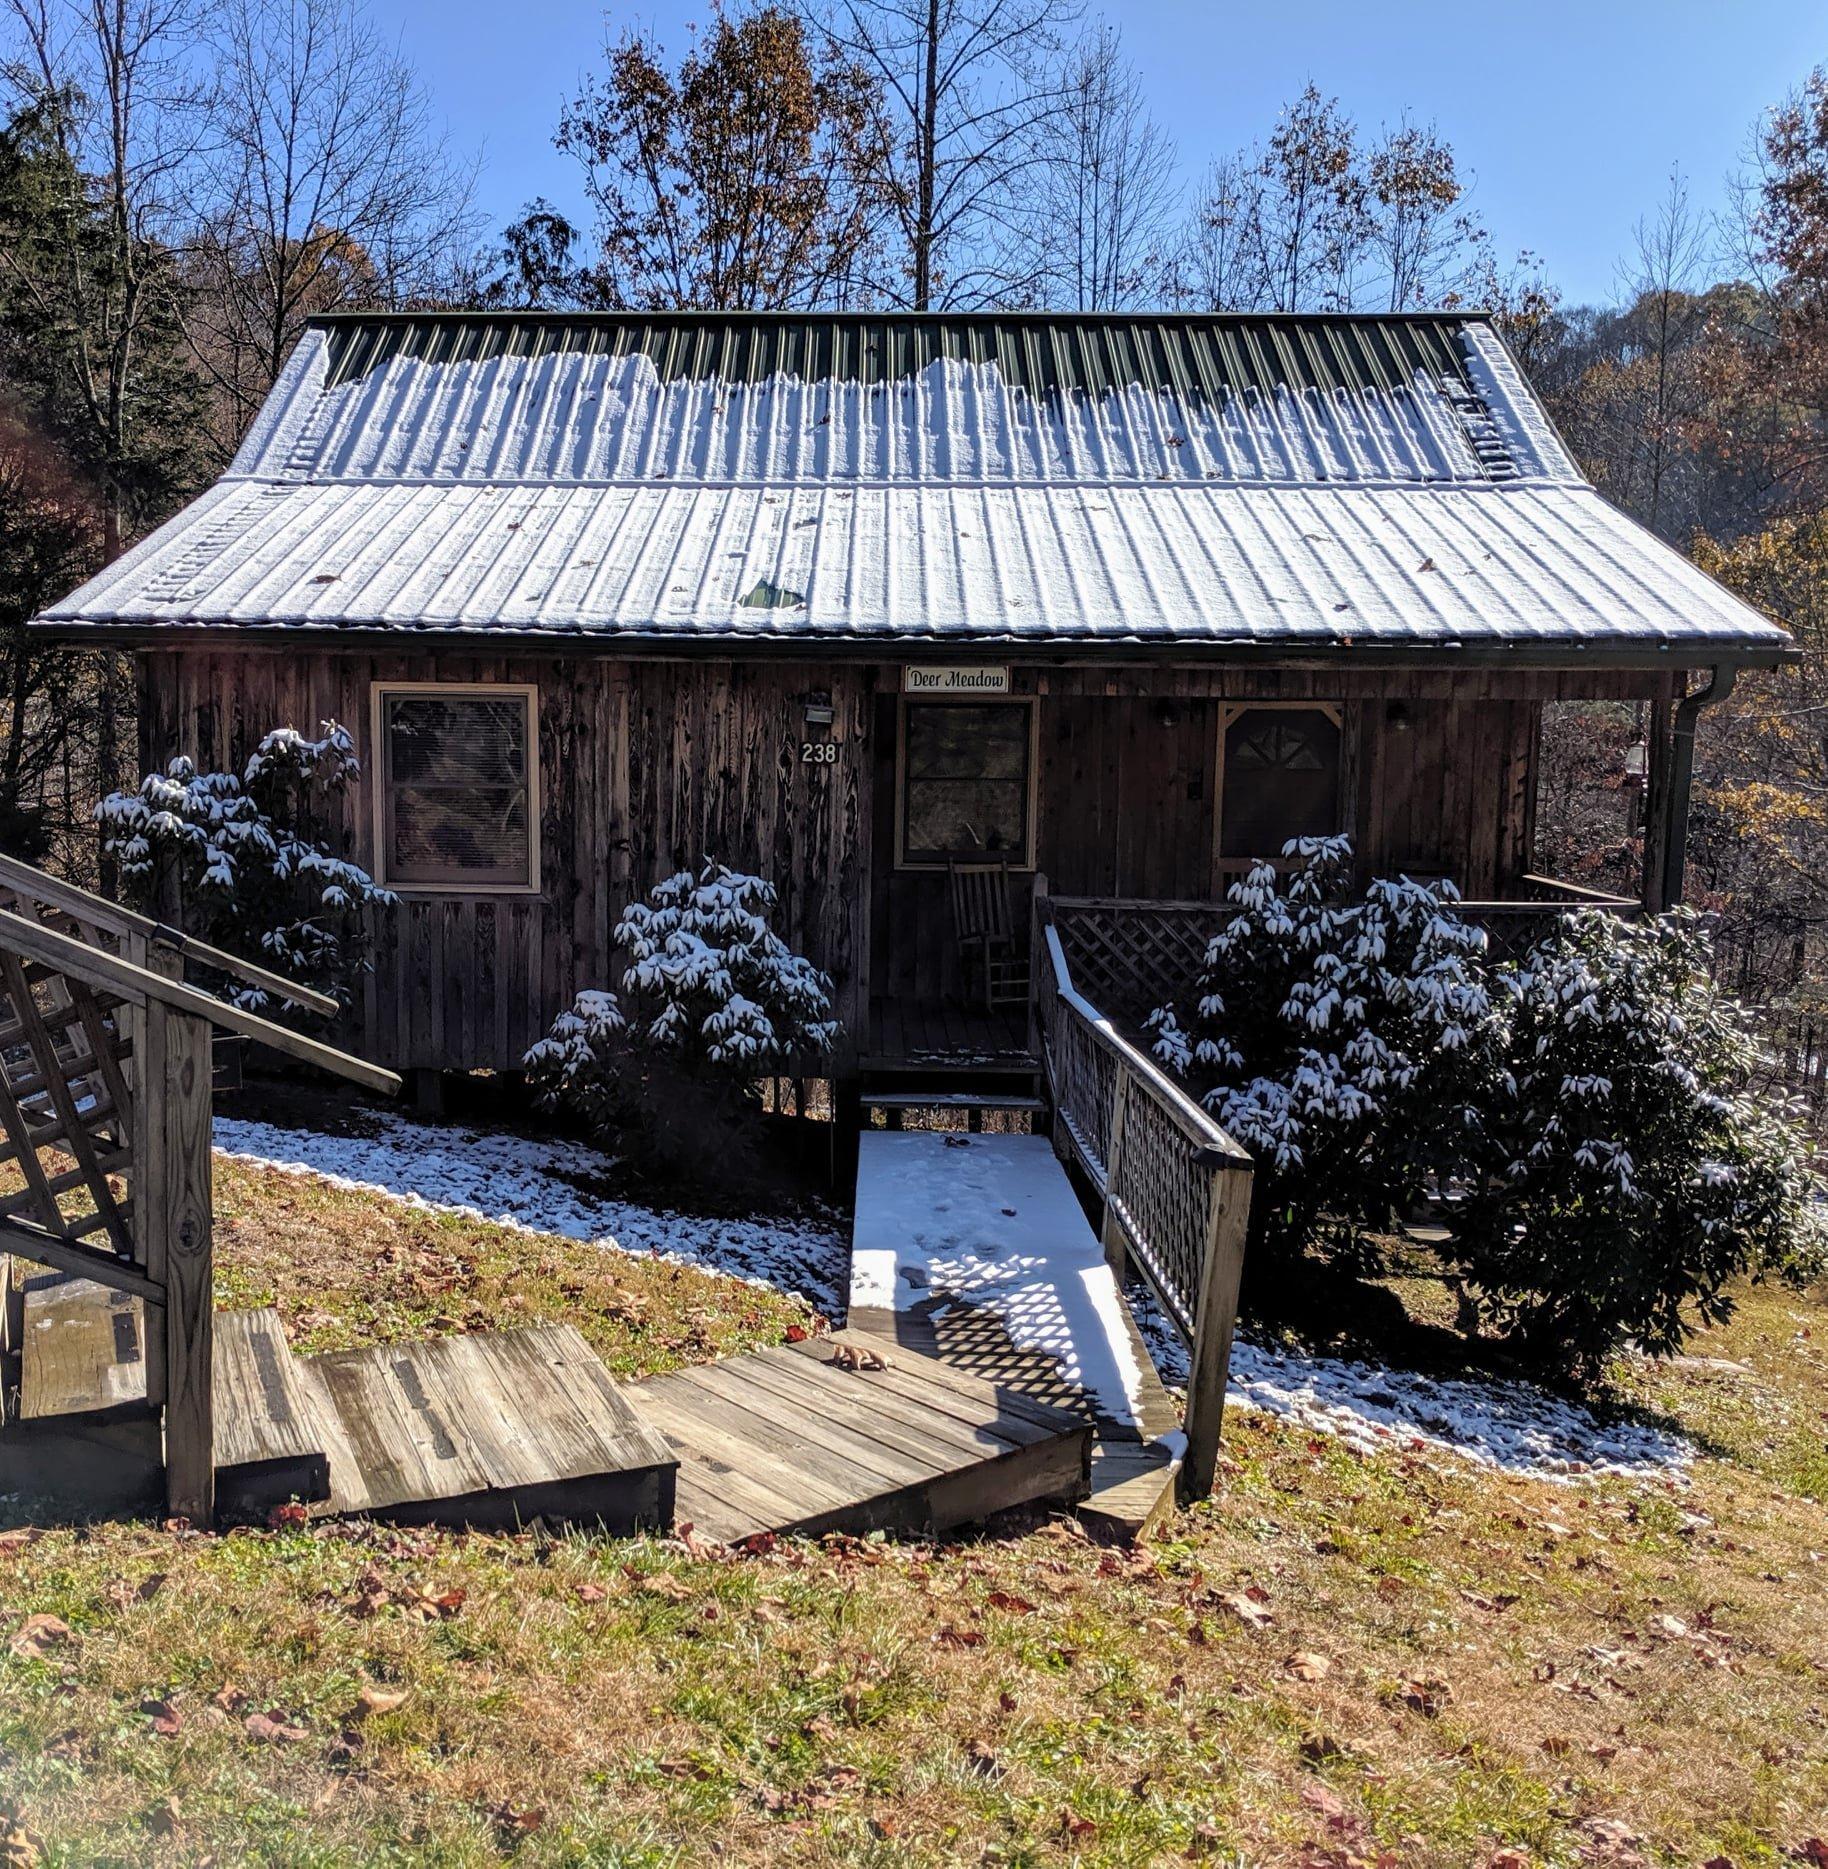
x=1118, y=602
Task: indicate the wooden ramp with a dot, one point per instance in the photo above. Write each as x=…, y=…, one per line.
x=793, y=1440
x=490, y=1431
x=973, y=1249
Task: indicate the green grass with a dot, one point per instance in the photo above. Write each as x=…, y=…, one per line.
x=1611, y=1672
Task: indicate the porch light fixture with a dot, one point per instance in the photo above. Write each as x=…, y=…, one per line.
x=1396, y=717
x=818, y=710
x=1167, y=713
x=1637, y=760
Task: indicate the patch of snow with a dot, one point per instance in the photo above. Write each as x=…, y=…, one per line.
x=544, y=1186
x=992, y=1221
x=1508, y=1426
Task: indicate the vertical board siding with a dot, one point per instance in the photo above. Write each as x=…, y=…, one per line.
x=647, y=767
x=644, y=769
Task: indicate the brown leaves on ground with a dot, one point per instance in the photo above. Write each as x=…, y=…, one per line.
x=274, y=1727
x=20, y=1848
x=415, y=1602
x=1249, y=1605
x=373, y=1700
x=857, y=1357
x=40, y=1636
x=1305, y=1665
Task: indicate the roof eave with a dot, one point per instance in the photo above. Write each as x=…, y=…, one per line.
x=903, y=646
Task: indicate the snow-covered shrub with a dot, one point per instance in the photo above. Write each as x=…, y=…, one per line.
x=247, y=854
x=715, y=999
x=1348, y=1041
x=1629, y=1172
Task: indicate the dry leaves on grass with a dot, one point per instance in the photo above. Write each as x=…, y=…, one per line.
x=1306, y=1665
x=1249, y=1605
x=274, y=1728
x=20, y=1848
x=373, y=1700
x=40, y=1636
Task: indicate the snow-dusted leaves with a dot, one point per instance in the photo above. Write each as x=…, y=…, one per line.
x=712, y=999
x=249, y=857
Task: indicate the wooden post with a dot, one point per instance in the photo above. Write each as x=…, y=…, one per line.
x=172, y=1208
x=1110, y=1230
x=162, y=958
x=1227, y=1220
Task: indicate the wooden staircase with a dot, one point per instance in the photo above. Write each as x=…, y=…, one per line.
x=492, y=1430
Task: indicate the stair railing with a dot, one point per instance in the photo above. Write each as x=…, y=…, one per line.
x=105, y=1067
x=1174, y=1187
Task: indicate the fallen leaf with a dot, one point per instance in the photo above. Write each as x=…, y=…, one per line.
x=1322, y=1798
x=982, y=1758
x=373, y=1700
x=1305, y=1665
x=952, y=1637
x=167, y=1721
x=664, y=1584
x=1009, y=1602
x=39, y=1636
x=590, y=1593
x=20, y=1848
x=1669, y=1628
x=274, y=1727
x=1246, y=1608
x=856, y=1356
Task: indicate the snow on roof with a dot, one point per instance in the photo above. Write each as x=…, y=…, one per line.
x=1188, y=481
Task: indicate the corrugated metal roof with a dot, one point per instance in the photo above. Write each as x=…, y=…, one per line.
x=1191, y=480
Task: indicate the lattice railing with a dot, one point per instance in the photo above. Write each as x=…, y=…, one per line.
x=1130, y=957
x=1175, y=1188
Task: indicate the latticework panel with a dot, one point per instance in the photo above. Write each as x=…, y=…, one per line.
x=1162, y=1193
x=66, y=1108
x=1128, y=958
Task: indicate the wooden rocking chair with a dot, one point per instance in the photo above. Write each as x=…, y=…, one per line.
x=985, y=932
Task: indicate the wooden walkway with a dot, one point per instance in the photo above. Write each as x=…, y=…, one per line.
x=959, y=1240
x=800, y=1440
x=499, y=1429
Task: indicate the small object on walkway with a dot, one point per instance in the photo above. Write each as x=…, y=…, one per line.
x=857, y=1356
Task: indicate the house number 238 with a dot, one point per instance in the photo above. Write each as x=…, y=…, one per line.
x=818, y=752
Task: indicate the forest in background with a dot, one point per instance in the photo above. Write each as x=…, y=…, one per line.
x=184, y=182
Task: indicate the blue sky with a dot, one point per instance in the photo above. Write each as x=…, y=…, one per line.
x=1568, y=115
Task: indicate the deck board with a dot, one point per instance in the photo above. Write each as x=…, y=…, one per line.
x=269, y=1448
x=82, y=1349
x=489, y=1430
x=787, y=1440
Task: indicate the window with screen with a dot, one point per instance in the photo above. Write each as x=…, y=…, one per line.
x=455, y=770
x=1281, y=779
x=965, y=794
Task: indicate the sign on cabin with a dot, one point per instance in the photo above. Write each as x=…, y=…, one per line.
x=954, y=680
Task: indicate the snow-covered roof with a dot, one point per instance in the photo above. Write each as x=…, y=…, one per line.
x=1324, y=482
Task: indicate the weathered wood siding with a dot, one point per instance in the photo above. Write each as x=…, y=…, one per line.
x=645, y=768
x=650, y=766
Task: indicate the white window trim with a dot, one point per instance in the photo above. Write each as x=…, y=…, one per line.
x=1016, y=860
x=379, y=693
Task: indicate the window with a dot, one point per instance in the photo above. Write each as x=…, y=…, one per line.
x=1279, y=778
x=966, y=793
x=454, y=767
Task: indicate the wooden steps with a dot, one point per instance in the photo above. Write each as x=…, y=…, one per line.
x=790, y=1440
x=491, y=1431
x=268, y=1441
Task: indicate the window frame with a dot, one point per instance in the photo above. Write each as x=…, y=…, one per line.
x=1335, y=711
x=1024, y=859
x=380, y=692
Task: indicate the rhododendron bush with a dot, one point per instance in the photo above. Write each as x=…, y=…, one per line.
x=1633, y=1172
x=1582, y=1117
x=715, y=1000
x=248, y=856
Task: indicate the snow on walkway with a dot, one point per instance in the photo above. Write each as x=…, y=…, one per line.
x=992, y=1220
x=1509, y=1426
x=1057, y=1298
x=544, y=1186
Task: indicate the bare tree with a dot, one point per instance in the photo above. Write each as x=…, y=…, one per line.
x=329, y=185
x=1671, y=247
x=1108, y=189
x=967, y=88
x=112, y=86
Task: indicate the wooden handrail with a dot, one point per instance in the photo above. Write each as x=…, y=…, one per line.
x=1194, y=1121
x=1175, y=1187
x=139, y=985
x=70, y=899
